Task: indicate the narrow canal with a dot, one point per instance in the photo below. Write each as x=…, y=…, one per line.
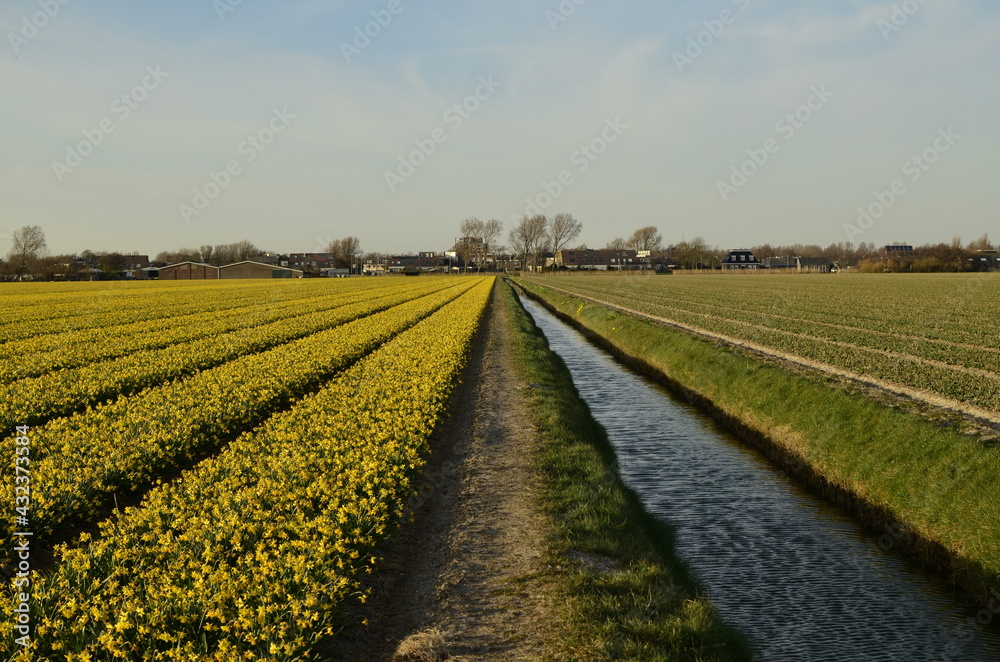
x=801, y=578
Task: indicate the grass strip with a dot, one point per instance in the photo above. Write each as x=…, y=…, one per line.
x=931, y=488
x=629, y=597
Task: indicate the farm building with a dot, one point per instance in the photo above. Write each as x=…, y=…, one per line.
x=250, y=269
x=189, y=271
x=600, y=260
x=741, y=258
x=813, y=265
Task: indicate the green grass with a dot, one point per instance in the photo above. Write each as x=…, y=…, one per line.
x=932, y=486
x=627, y=595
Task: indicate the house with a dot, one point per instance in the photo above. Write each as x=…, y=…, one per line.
x=597, y=259
x=740, y=259
x=189, y=271
x=310, y=263
x=816, y=265
x=897, y=251
x=985, y=261
x=135, y=262
x=373, y=267
x=410, y=263
x=271, y=258
x=251, y=269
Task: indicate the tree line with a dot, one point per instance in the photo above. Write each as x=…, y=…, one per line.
x=530, y=239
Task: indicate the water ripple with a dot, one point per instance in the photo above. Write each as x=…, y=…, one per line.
x=803, y=580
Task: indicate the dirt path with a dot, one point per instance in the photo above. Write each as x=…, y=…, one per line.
x=472, y=563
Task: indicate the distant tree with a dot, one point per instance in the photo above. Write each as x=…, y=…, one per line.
x=245, y=250
x=205, y=253
x=563, y=228
x=27, y=246
x=345, y=251
x=178, y=256
x=692, y=254
x=112, y=264
x=89, y=257
x=224, y=254
x=645, y=239
x=467, y=245
x=981, y=244
x=616, y=244
x=529, y=238
x=490, y=232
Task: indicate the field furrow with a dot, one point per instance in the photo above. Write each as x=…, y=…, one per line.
x=35, y=356
x=62, y=393
x=79, y=463
x=134, y=303
x=254, y=554
x=862, y=325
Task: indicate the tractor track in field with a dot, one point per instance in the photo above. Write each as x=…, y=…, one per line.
x=980, y=415
x=472, y=564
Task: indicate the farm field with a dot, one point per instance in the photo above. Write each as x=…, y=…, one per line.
x=301, y=413
x=933, y=333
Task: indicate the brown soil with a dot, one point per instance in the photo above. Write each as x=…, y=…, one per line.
x=472, y=564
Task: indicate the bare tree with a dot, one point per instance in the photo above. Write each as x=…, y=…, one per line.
x=205, y=253
x=981, y=244
x=245, y=250
x=645, y=239
x=112, y=264
x=224, y=254
x=616, y=244
x=528, y=238
x=27, y=246
x=470, y=247
x=563, y=228
x=491, y=230
x=345, y=251
x=691, y=254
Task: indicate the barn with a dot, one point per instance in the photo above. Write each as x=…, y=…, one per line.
x=251, y=269
x=189, y=271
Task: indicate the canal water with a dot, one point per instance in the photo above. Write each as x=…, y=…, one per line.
x=802, y=579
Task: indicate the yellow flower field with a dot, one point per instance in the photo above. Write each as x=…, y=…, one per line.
x=253, y=552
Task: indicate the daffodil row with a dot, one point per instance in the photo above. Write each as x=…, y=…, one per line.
x=254, y=554
x=62, y=393
x=80, y=463
x=111, y=304
x=41, y=354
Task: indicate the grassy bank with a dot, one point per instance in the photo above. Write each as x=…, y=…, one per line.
x=627, y=595
x=926, y=489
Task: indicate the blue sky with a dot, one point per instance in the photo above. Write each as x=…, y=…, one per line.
x=334, y=126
